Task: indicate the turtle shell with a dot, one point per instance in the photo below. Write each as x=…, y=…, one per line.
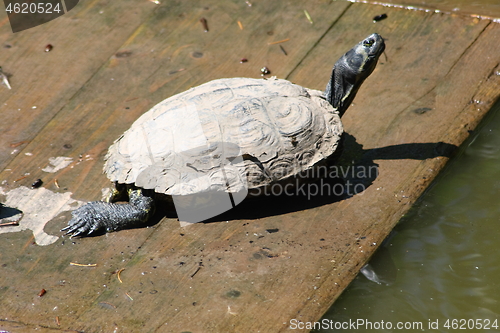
x=226, y=135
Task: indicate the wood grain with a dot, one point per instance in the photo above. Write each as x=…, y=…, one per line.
x=266, y=262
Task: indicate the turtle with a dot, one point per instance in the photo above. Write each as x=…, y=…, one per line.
x=224, y=138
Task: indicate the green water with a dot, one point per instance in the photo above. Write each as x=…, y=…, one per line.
x=442, y=260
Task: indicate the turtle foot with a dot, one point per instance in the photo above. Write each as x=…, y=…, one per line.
x=88, y=219
x=99, y=215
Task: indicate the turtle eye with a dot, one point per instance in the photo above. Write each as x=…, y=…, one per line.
x=368, y=42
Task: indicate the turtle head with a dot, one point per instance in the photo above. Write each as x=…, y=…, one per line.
x=351, y=70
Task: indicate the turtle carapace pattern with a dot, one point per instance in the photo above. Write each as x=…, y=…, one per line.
x=225, y=136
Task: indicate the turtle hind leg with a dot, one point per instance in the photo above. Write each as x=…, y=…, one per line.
x=98, y=215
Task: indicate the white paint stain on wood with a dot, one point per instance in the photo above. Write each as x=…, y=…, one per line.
x=38, y=206
x=57, y=163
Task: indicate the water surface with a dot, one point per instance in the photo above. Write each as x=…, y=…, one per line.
x=442, y=260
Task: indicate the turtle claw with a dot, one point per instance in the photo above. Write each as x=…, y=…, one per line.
x=73, y=231
x=98, y=215
x=76, y=234
x=85, y=221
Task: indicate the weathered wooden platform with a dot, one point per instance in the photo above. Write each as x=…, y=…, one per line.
x=266, y=263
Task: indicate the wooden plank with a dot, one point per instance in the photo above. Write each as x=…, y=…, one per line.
x=171, y=40
x=429, y=97
x=43, y=82
x=236, y=275
x=162, y=66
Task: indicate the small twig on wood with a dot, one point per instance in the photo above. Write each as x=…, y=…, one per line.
x=107, y=305
x=5, y=224
x=176, y=71
x=130, y=297
x=118, y=274
x=280, y=41
x=17, y=144
x=57, y=321
x=204, y=24
x=82, y=265
x=231, y=312
x=240, y=25
x=308, y=16
x=200, y=265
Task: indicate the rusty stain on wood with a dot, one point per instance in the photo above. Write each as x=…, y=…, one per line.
x=285, y=258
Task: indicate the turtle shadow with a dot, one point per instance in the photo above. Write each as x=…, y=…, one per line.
x=354, y=172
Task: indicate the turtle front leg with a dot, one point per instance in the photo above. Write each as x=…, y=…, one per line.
x=98, y=215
